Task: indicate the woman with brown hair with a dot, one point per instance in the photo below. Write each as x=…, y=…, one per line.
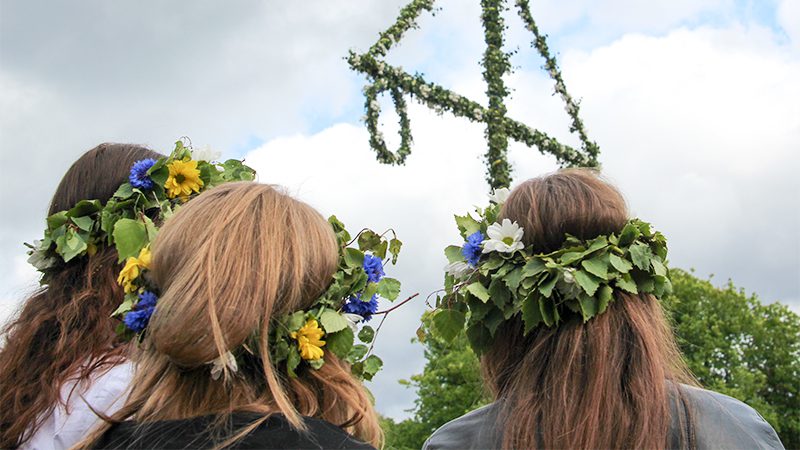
x=562, y=301
x=240, y=270
x=61, y=353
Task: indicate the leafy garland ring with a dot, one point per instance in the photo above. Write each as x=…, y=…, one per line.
x=494, y=277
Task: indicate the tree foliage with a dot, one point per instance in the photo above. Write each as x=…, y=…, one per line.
x=732, y=342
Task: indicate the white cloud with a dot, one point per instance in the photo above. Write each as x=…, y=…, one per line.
x=789, y=18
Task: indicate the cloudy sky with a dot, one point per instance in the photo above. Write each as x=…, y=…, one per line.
x=695, y=105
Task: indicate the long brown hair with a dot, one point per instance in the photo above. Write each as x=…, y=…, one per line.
x=227, y=263
x=607, y=383
x=64, y=330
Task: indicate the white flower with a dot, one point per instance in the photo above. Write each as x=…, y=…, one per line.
x=500, y=196
x=218, y=365
x=352, y=321
x=205, y=154
x=458, y=269
x=503, y=238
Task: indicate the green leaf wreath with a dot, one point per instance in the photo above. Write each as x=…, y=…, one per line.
x=493, y=277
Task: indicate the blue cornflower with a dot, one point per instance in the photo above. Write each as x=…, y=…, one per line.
x=138, y=177
x=138, y=320
x=472, y=248
x=355, y=305
x=147, y=299
x=373, y=266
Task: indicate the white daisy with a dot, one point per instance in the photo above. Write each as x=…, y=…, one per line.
x=500, y=196
x=352, y=321
x=458, y=269
x=205, y=154
x=503, y=238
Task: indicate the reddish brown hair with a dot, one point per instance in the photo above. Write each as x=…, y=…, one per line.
x=64, y=330
x=606, y=383
x=227, y=263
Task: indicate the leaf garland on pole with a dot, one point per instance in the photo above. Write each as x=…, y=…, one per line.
x=384, y=77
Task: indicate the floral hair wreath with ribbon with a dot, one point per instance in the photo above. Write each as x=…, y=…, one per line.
x=156, y=188
x=494, y=277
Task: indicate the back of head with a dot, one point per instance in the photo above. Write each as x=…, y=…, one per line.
x=64, y=330
x=599, y=384
x=227, y=264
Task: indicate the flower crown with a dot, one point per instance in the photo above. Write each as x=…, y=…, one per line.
x=331, y=323
x=155, y=189
x=494, y=277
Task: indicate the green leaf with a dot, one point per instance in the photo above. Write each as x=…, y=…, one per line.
x=533, y=267
x=453, y=253
x=659, y=267
x=499, y=294
x=316, y=364
x=389, y=288
x=479, y=290
x=547, y=308
x=493, y=320
x=368, y=240
x=296, y=320
x=371, y=289
x=629, y=234
x=641, y=255
x=85, y=223
x=467, y=225
x=151, y=229
x=130, y=236
x=546, y=288
x=513, y=278
x=589, y=306
x=292, y=361
x=85, y=208
x=357, y=352
x=73, y=245
x=479, y=337
x=56, y=220
x=531, y=314
x=332, y=321
x=448, y=323
x=124, y=191
x=280, y=351
x=367, y=334
x=588, y=282
x=353, y=257
x=159, y=174
x=477, y=308
x=626, y=283
x=340, y=343
x=394, y=249
x=371, y=366
x=604, y=296
x=380, y=250
x=622, y=265
x=597, y=266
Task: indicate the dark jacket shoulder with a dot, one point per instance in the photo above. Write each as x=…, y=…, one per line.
x=207, y=432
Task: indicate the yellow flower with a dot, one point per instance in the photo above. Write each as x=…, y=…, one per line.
x=132, y=269
x=183, y=179
x=309, y=340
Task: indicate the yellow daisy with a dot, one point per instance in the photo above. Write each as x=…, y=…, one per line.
x=183, y=179
x=132, y=269
x=309, y=340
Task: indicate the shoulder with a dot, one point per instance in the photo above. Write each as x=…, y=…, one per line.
x=722, y=421
x=69, y=421
x=276, y=432
x=476, y=429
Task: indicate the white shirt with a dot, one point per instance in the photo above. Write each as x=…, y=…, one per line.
x=106, y=394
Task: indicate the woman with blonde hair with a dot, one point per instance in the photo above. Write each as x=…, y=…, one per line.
x=245, y=346
x=561, y=295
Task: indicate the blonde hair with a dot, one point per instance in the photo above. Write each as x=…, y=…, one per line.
x=227, y=263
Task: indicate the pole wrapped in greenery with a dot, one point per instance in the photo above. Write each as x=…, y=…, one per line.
x=500, y=128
